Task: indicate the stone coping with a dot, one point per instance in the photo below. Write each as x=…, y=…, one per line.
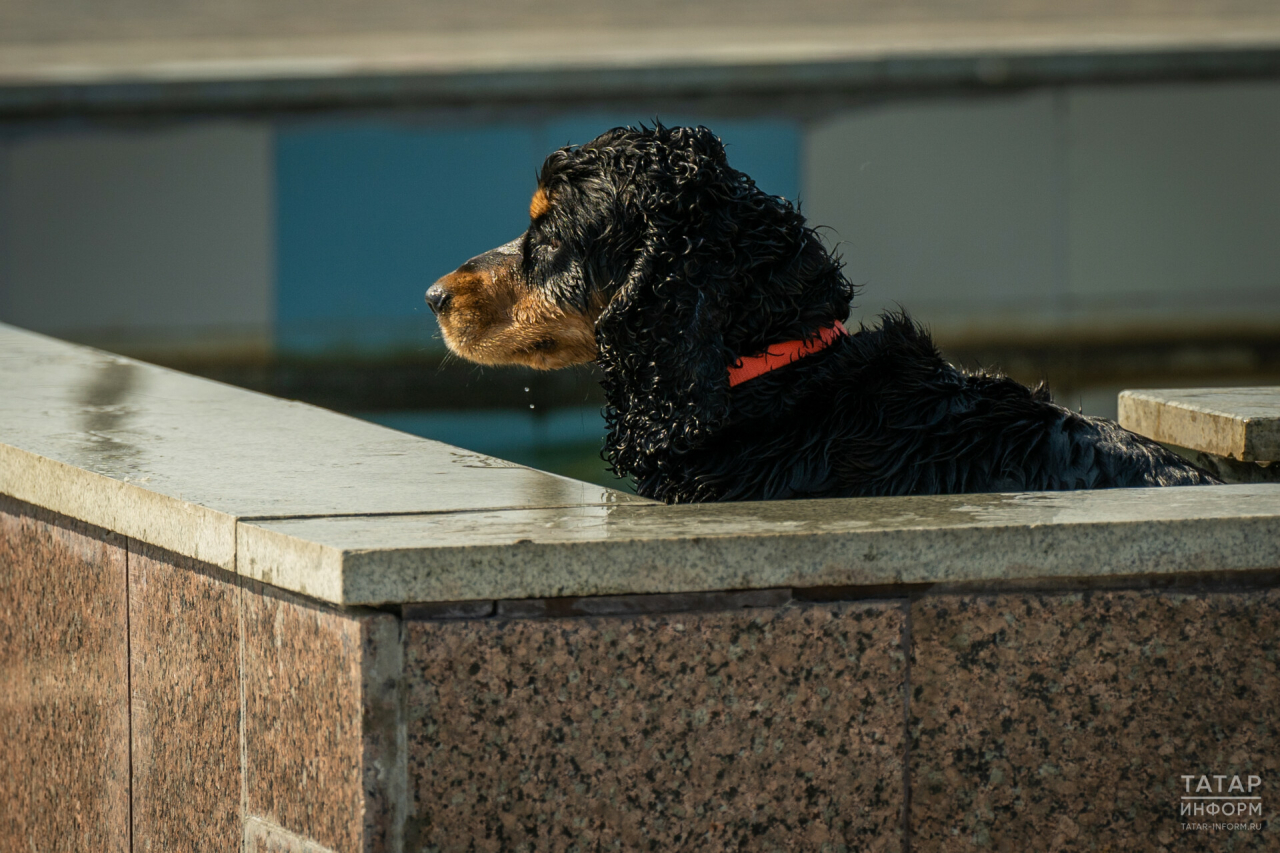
x=177, y=461
x=1242, y=423
x=356, y=514
x=847, y=542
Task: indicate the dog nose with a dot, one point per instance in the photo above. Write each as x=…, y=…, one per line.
x=438, y=297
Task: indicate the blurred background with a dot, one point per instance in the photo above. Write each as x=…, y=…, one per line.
x=260, y=191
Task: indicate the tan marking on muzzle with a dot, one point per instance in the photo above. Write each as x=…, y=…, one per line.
x=495, y=318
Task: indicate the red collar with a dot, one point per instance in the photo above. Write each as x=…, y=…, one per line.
x=780, y=355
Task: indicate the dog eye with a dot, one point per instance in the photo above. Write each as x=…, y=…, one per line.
x=554, y=244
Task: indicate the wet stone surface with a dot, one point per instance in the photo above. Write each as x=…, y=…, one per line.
x=1066, y=722
x=588, y=551
x=174, y=459
x=761, y=729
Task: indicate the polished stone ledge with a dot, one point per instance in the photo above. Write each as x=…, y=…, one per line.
x=1240, y=423
x=176, y=461
x=351, y=513
x=855, y=542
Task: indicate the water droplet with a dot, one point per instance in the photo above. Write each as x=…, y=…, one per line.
x=526, y=389
x=531, y=406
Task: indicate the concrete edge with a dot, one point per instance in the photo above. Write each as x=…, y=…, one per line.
x=966, y=553
x=173, y=524
x=288, y=562
x=1199, y=428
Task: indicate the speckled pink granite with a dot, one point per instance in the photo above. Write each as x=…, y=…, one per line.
x=319, y=719
x=1064, y=722
x=64, y=739
x=757, y=729
x=185, y=667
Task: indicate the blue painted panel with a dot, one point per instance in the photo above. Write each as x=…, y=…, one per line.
x=368, y=215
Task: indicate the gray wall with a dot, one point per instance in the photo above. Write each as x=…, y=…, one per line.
x=157, y=239
x=1077, y=211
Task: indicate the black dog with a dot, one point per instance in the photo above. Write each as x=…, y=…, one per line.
x=715, y=314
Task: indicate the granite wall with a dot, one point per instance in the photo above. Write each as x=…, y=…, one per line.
x=155, y=703
x=1067, y=721
x=777, y=728
x=64, y=741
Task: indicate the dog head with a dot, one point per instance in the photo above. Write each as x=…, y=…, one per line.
x=646, y=252
x=527, y=302
x=536, y=300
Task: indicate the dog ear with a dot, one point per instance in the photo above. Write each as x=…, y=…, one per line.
x=661, y=349
x=661, y=337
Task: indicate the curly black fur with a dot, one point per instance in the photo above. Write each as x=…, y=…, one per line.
x=699, y=268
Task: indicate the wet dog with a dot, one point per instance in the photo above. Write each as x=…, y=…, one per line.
x=716, y=316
